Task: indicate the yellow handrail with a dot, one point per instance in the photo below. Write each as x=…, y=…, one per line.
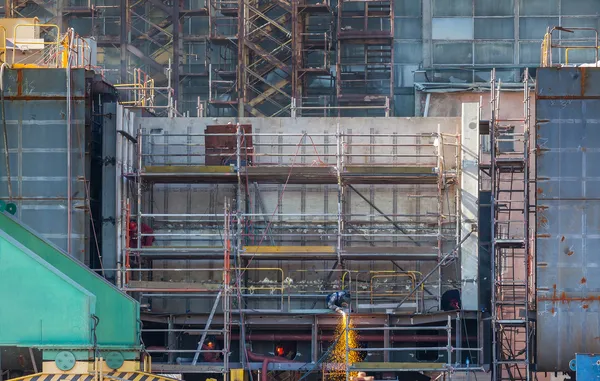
x=3, y=45
x=44, y=43
x=405, y=275
x=577, y=48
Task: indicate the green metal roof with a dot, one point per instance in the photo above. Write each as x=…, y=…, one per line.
x=45, y=285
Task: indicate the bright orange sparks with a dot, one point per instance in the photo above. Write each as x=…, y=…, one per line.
x=337, y=357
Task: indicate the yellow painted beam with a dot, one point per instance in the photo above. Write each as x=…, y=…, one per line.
x=375, y=169
x=398, y=365
x=267, y=93
x=289, y=249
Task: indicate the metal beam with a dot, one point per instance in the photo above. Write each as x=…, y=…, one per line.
x=442, y=261
x=160, y=5
x=176, y=50
x=149, y=61
x=124, y=38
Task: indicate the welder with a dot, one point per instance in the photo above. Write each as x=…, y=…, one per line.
x=338, y=301
x=210, y=344
x=147, y=239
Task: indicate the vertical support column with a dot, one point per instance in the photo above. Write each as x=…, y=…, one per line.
x=176, y=51
x=426, y=32
x=469, y=209
x=8, y=13
x=171, y=340
x=387, y=343
x=125, y=25
x=242, y=57
x=314, y=344
x=109, y=181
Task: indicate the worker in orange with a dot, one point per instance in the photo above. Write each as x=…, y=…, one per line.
x=210, y=345
x=147, y=239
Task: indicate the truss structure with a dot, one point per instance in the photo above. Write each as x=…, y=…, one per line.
x=256, y=58
x=513, y=328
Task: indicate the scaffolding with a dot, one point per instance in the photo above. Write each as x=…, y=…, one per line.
x=244, y=58
x=512, y=303
x=275, y=251
x=365, y=55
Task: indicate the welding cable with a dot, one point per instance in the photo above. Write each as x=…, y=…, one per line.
x=5, y=130
x=86, y=188
x=278, y=201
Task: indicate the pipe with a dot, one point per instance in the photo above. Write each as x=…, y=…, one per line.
x=69, y=172
x=331, y=337
x=265, y=362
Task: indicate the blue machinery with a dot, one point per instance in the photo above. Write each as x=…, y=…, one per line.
x=586, y=366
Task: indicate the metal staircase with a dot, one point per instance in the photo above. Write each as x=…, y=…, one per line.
x=512, y=327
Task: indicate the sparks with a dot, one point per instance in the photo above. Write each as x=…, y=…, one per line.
x=337, y=357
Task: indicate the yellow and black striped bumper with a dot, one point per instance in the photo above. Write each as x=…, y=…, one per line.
x=111, y=376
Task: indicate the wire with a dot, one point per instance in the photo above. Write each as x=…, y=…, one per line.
x=88, y=201
x=5, y=130
x=278, y=201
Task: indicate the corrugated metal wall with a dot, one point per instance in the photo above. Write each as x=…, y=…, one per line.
x=568, y=215
x=36, y=123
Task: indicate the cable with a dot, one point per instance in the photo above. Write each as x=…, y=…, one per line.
x=5, y=130
x=278, y=201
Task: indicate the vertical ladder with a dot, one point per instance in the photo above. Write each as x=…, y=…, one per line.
x=512, y=328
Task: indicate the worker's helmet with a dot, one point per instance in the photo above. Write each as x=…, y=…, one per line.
x=132, y=225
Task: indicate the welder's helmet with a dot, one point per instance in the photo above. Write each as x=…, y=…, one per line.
x=345, y=298
x=132, y=225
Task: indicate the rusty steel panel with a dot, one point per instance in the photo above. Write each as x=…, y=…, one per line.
x=567, y=215
x=221, y=150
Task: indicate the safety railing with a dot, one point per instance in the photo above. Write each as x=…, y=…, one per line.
x=304, y=150
x=549, y=45
x=51, y=56
x=141, y=90
x=3, y=44
x=449, y=351
x=317, y=55
x=329, y=110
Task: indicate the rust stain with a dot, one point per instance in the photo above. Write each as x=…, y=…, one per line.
x=19, y=83
x=540, y=191
x=585, y=306
x=542, y=221
x=583, y=280
x=542, y=208
x=552, y=309
x=562, y=239
x=543, y=236
x=569, y=252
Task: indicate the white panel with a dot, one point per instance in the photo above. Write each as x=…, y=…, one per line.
x=469, y=185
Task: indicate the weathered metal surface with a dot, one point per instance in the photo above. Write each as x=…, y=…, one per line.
x=36, y=121
x=567, y=215
x=587, y=367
